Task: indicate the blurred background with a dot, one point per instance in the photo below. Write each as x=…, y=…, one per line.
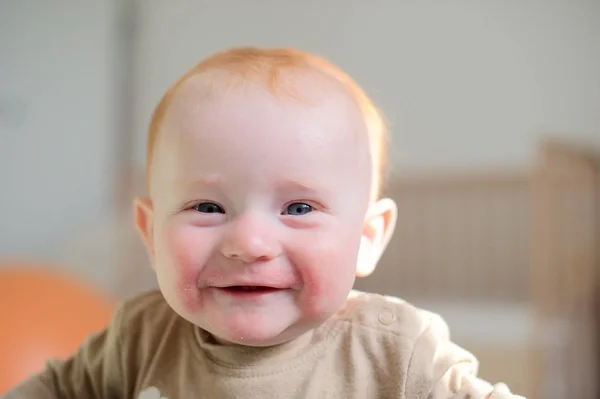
x=494, y=112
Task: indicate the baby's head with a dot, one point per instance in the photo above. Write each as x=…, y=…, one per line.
x=264, y=171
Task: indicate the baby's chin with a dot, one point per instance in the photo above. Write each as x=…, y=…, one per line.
x=256, y=327
x=254, y=333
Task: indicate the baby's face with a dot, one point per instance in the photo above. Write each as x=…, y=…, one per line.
x=258, y=210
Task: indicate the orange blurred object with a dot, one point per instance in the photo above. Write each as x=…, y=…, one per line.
x=44, y=314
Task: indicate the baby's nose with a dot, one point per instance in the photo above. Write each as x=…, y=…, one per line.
x=250, y=242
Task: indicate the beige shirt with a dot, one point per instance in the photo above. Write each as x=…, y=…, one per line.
x=374, y=347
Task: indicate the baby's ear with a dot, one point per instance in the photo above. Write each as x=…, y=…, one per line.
x=144, y=222
x=377, y=231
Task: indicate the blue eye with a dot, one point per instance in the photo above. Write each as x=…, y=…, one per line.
x=298, y=209
x=208, y=207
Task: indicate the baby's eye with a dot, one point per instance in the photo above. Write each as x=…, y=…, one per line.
x=208, y=207
x=298, y=209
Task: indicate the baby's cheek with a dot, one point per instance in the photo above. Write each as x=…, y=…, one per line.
x=182, y=247
x=326, y=285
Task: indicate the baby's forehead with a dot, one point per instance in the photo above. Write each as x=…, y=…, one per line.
x=212, y=122
x=306, y=87
x=207, y=130
x=312, y=98
x=293, y=78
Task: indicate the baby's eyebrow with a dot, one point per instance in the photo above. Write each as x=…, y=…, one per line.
x=301, y=186
x=217, y=182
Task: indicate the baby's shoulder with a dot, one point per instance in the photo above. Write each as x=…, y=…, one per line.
x=387, y=315
x=140, y=304
x=146, y=330
x=393, y=340
x=146, y=312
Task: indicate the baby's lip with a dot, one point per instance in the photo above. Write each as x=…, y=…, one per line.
x=249, y=289
x=253, y=284
x=271, y=280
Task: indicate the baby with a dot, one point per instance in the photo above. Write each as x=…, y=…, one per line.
x=264, y=173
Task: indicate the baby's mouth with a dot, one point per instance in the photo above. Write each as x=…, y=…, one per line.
x=250, y=292
x=249, y=288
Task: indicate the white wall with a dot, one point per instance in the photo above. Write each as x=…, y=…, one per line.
x=462, y=82
x=56, y=123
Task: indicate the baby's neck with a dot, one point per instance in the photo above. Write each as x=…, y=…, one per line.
x=238, y=355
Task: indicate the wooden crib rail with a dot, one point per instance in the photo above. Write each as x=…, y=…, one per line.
x=565, y=269
x=458, y=237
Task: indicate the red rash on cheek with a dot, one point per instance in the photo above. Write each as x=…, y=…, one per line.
x=180, y=249
x=329, y=279
x=186, y=288
x=320, y=292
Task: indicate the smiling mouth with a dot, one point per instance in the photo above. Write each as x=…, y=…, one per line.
x=249, y=291
x=250, y=288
